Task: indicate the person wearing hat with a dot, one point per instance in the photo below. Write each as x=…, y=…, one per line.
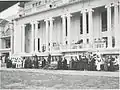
x=92, y=64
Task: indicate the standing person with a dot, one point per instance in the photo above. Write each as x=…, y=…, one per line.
x=106, y=64
x=65, y=64
x=80, y=62
x=60, y=63
x=23, y=62
x=98, y=63
x=111, y=67
x=92, y=64
x=36, y=62
x=43, y=62
x=116, y=63
x=3, y=59
x=85, y=63
x=26, y=62
x=49, y=59
x=71, y=62
x=77, y=63
x=9, y=62
x=30, y=62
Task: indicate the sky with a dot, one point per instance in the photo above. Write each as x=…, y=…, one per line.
x=10, y=11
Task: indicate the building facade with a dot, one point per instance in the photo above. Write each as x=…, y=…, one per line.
x=67, y=27
x=6, y=38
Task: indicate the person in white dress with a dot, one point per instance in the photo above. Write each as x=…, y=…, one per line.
x=98, y=63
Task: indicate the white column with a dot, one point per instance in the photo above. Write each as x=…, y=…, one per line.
x=116, y=28
x=109, y=26
x=84, y=27
x=47, y=42
x=119, y=13
x=68, y=27
x=63, y=28
x=12, y=42
x=90, y=25
x=15, y=35
x=23, y=38
x=36, y=36
x=51, y=31
x=32, y=37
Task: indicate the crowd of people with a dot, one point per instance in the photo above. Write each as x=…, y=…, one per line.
x=92, y=63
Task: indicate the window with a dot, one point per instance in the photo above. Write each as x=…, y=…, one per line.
x=87, y=23
x=81, y=25
x=104, y=21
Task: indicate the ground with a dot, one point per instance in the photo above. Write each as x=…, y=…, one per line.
x=57, y=79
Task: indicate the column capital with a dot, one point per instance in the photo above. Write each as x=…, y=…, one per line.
x=32, y=22
x=90, y=10
x=84, y=11
x=46, y=20
x=108, y=6
x=63, y=16
x=23, y=25
x=51, y=19
x=68, y=15
x=36, y=22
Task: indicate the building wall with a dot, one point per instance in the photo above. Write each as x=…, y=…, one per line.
x=75, y=27
x=42, y=32
x=28, y=39
x=17, y=39
x=74, y=9
x=57, y=30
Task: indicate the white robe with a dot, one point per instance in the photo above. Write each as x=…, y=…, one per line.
x=98, y=65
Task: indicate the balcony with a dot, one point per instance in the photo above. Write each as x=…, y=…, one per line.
x=5, y=35
x=72, y=47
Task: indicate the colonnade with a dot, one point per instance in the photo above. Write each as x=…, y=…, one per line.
x=116, y=23
x=67, y=17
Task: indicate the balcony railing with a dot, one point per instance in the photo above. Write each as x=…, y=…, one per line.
x=5, y=34
x=72, y=47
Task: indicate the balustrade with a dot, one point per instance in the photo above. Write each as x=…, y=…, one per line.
x=72, y=47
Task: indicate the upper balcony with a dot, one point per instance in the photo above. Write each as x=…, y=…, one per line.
x=98, y=44
x=5, y=28
x=5, y=34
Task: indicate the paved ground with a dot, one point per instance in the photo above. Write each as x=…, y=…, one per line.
x=68, y=72
x=57, y=79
